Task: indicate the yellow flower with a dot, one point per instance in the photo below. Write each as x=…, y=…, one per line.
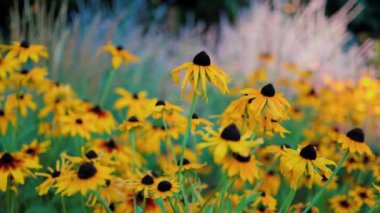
x=197, y=121
x=33, y=149
x=363, y=195
x=89, y=176
x=296, y=163
x=143, y=183
x=228, y=140
x=299, y=207
x=266, y=57
x=271, y=183
x=138, y=104
x=342, y=203
x=103, y=119
x=246, y=167
x=24, y=50
x=130, y=124
x=266, y=200
x=119, y=55
x=16, y=165
x=76, y=124
x=34, y=78
x=267, y=102
x=6, y=117
x=8, y=65
x=353, y=141
x=163, y=108
x=165, y=187
x=21, y=102
x=51, y=177
x=199, y=71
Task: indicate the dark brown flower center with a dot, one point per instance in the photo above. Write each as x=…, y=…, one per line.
x=24, y=72
x=147, y=180
x=6, y=159
x=231, y=133
x=185, y=162
x=79, y=121
x=164, y=186
x=91, y=154
x=135, y=96
x=194, y=116
x=240, y=158
x=55, y=174
x=133, y=119
x=2, y=113
x=202, y=59
x=111, y=144
x=21, y=96
x=160, y=103
x=312, y=92
x=119, y=47
x=363, y=195
x=24, y=44
x=356, y=135
x=268, y=90
x=112, y=207
x=344, y=204
x=30, y=151
x=309, y=152
x=108, y=182
x=86, y=171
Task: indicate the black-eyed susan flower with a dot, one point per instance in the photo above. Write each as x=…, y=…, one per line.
x=363, y=195
x=16, y=165
x=303, y=161
x=198, y=72
x=197, y=121
x=51, y=177
x=267, y=102
x=88, y=176
x=227, y=140
x=143, y=183
x=33, y=79
x=6, y=117
x=267, y=200
x=24, y=50
x=130, y=123
x=8, y=65
x=22, y=102
x=119, y=55
x=354, y=142
x=76, y=124
x=165, y=187
x=271, y=182
x=244, y=166
x=161, y=108
x=35, y=148
x=343, y=203
x=112, y=192
x=137, y=103
x=127, y=206
x=103, y=119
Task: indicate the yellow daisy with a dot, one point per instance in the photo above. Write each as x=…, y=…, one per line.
x=24, y=50
x=353, y=141
x=119, y=55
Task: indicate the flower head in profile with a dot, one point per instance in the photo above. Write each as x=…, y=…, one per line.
x=200, y=71
x=24, y=51
x=8, y=65
x=303, y=161
x=353, y=141
x=119, y=55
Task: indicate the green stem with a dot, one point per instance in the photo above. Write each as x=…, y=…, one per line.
x=134, y=203
x=8, y=195
x=224, y=191
x=106, y=87
x=63, y=203
x=262, y=178
x=144, y=204
x=323, y=188
x=288, y=201
x=169, y=146
x=103, y=202
x=133, y=144
x=172, y=205
x=189, y=118
x=213, y=194
x=84, y=210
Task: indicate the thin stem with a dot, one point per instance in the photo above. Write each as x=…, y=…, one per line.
x=224, y=191
x=134, y=203
x=288, y=201
x=213, y=194
x=106, y=87
x=144, y=203
x=323, y=188
x=172, y=205
x=184, y=141
x=169, y=146
x=8, y=195
x=133, y=144
x=84, y=210
x=63, y=203
x=103, y=202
